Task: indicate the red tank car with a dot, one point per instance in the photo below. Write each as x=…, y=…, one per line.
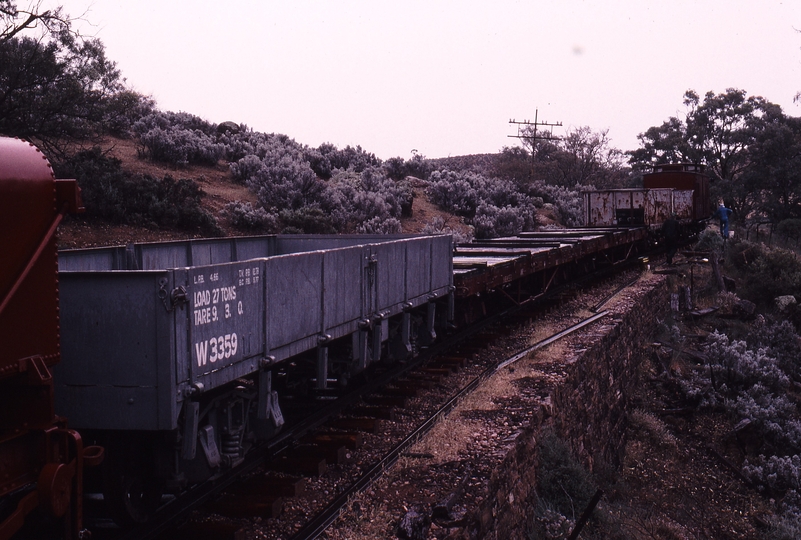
x=41, y=461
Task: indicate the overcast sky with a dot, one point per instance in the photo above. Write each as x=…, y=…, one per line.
x=445, y=77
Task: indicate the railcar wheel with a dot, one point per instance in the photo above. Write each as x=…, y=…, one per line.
x=132, y=500
x=130, y=488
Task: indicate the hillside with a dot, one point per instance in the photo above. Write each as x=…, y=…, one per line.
x=220, y=189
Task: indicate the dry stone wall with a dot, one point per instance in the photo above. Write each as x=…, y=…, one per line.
x=588, y=406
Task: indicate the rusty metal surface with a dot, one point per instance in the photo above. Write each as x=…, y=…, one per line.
x=600, y=209
x=29, y=316
x=23, y=162
x=683, y=204
x=683, y=177
x=488, y=265
x=632, y=207
x=658, y=206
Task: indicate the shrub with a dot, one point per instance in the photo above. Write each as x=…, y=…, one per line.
x=562, y=483
x=352, y=199
x=318, y=162
x=784, y=527
x=123, y=109
x=287, y=180
x=790, y=228
x=709, y=240
x=454, y=192
x=378, y=225
x=308, y=220
x=244, y=143
x=749, y=384
x=351, y=158
x=779, y=474
x=781, y=341
x=245, y=168
x=739, y=367
x=462, y=193
x=244, y=217
x=494, y=207
x=492, y=222
x=567, y=203
x=178, y=139
x=654, y=427
x=397, y=168
x=772, y=415
x=398, y=196
x=767, y=272
x=112, y=194
x=438, y=226
x=282, y=182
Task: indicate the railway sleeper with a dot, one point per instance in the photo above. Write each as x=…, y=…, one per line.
x=208, y=530
x=309, y=465
x=384, y=413
x=352, y=440
x=264, y=505
x=401, y=391
x=285, y=486
x=367, y=425
x=388, y=401
x=331, y=453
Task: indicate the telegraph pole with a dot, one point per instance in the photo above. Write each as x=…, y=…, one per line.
x=533, y=136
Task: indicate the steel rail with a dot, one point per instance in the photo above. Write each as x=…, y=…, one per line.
x=617, y=291
x=324, y=519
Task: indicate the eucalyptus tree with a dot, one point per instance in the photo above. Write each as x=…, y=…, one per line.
x=56, y=87
x=721, y=131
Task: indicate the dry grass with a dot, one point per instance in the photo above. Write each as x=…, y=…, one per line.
x=450, y=437
x=372, y=524
x=655, y=428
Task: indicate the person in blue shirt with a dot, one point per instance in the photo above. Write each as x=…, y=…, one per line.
x=723, y=214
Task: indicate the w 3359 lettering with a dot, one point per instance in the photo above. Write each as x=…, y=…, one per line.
x=216, y=348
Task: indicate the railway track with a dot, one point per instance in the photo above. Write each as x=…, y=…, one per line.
x=434, y=362
x=178, y=509
x=320, y=522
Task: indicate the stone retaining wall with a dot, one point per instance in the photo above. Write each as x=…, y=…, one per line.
x=588, y=411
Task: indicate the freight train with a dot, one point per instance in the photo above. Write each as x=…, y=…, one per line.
x=175, y=357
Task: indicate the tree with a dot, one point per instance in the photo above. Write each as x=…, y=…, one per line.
x=582, y=157
x=14, y=20
x=55, y=86
x=720, y=131
x=513, y=164
x=722, y=128
x=774, y=173
x=663, y=144
x=588, y=159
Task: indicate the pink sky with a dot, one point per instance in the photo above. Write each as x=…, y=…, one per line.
x=445, y=77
